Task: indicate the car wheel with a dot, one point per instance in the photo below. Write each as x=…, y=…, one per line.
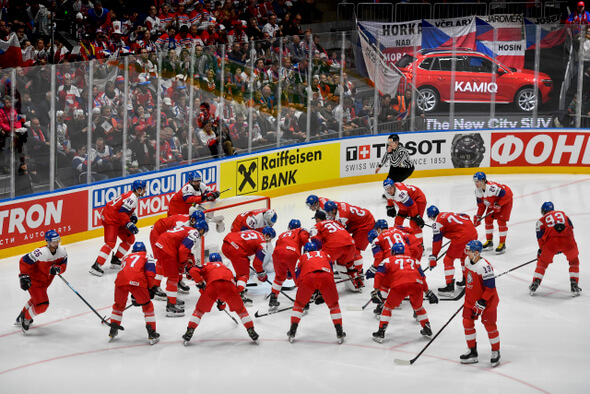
x=428, y=99
x=526, y=100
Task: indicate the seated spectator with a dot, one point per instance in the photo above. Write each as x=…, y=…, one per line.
x=25, y=177
x=80, y=166
x=290, y=126
x=105, y=160
x=142, y=122
x=140, y=155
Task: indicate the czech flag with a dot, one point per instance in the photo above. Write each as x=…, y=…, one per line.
x=446, y=33
x=10, y=52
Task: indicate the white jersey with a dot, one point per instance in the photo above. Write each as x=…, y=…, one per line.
x=43, y=255
x=256, y=221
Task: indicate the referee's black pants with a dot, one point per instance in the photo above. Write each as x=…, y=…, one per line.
x=400, y=174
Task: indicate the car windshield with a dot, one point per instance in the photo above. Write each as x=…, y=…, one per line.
x=405, y=61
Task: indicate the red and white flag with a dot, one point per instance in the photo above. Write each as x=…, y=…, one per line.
x=10, y=52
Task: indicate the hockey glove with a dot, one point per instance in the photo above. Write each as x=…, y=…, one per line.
x=132, y=228
x=262, y=276
x=371, y=272
x=133, y=219
x=376, y=297
x=201, y=286
x=391, y=212
x=432, y=261
x=418, y=220
x=478, y=308
x=221, y=305
x=539, y=251
x=134, y=301
x=152, y=292
x=432, y=298
x=25, y=281
x=214, y=195
x=55, y=269
x=476, y=220
x=497, y=208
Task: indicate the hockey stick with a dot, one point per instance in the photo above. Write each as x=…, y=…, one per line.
x=515, y=268
x=270, y=283
x=272, y=313
x=233, y=318
x=412, y=361
x=102, y=319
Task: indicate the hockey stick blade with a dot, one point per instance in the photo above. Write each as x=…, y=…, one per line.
x=403, y=362
x=257, y=314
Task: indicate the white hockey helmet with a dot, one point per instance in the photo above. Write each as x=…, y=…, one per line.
x=270, y=217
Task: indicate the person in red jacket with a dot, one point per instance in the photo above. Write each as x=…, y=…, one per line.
x=137, y=277
x=314, y=274
x=284, y=258
x=174, y=250
x=37, y=271
x=410, y=201
x=555, y=234
x=339, y=245
x=238, y=247
x=459, y=229
x=217, y=284
x=159, y=228
x=194, y=192
x=357, y=221
x=481, y=299
x=495, y=199
x=119, y=219
x=401, y=276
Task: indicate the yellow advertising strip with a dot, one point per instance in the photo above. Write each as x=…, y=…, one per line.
x=282, y=171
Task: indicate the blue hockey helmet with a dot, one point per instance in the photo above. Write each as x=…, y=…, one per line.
x=214, y=257
x=479, y=176
x=138, y=184
x=381, y=224
x=52, y=236
x=329, y=206
x=194, y=176
x=138, y=247
x=197, y=215
x=311, y=200
x=547, y=207
x=432, y=212
x=387, y=183
x=398, y=248
x=201, y=225
x=294, y=223
x=372, y=235
x=474, y=246
x=310, y=247
x=269, y=231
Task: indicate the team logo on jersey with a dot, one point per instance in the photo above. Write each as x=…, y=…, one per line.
x=247, y=176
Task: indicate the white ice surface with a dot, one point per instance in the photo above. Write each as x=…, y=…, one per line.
x=544, y=339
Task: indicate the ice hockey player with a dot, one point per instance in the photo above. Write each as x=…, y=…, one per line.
x=495, y=201
x=217, y=285
x=336, y=242
x=284, y=258
x=357, y=221
x=254, y=220
x=159, y=228
x=481, y=299
x=555, y=234
x=174, y=250
x=118, y=219
x=398, y=277
x=314, y=274
x=37, y=271
x=238, y=247
x=458, y=228
x=194, y=192
x=314, y=202
x=410, y=202
x=137, y=277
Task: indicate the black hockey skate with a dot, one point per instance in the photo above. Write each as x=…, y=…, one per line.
x=379, y=335
x=183, y=288
x=24, y=323
x=339, y=333
x=96, y=269
x=495, y=359
x=173, y=310
x=160, y=294
x=188, y=335
x=575, y=288
x=153, y=336
x=488, y=245
x=247, y=301
x=253, y=335
x=273, y=303
x=426, y=330
x=115, y=262
x=447, y=291
x=501, y=249
x=292, y=331
x=534, y=286
x=469, y=357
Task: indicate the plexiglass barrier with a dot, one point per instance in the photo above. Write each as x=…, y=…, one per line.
x=78, y=123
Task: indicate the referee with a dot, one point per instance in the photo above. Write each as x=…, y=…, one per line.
x=400, y=164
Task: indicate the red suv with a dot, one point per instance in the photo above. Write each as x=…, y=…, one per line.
x=474, y=79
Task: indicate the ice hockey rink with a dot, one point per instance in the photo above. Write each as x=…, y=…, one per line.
x=544, y=340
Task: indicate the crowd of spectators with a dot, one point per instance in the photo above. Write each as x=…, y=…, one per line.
x=173, y=46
